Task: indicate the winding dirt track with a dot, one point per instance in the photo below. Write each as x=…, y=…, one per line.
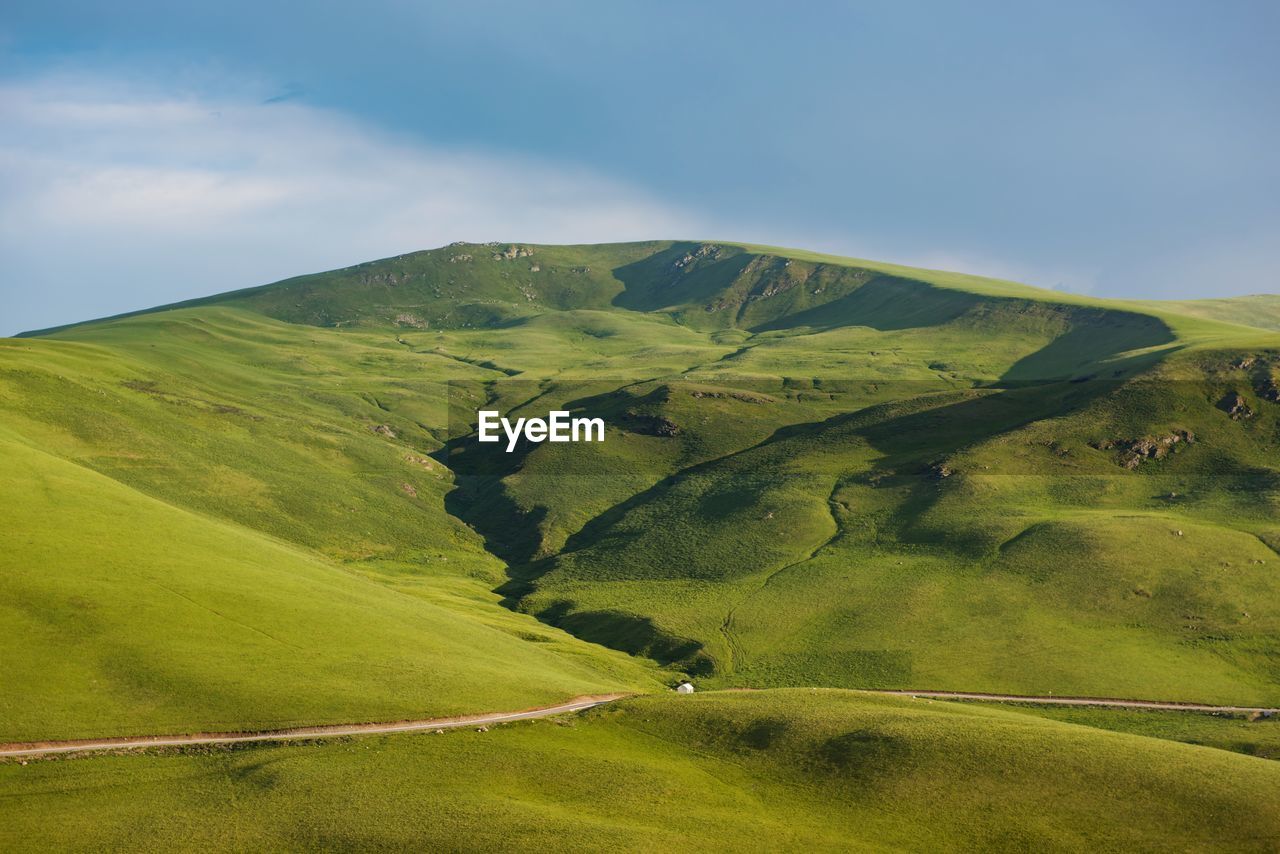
x=45, y=748
x=1106, y=702
x=578, y=704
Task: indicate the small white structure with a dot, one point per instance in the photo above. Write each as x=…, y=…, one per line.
x=684, y=688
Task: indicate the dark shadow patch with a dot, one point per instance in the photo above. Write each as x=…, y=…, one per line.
x=1093, y=335
x=762, y=733
x=884, y=303
x=863, y=755
x=630, y=634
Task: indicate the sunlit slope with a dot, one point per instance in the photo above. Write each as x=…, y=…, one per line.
x=1260, y=310
x=818, y=470
x=120, y=614
x=290, y=471
x=777, y=770
x=1107, y=538
x=702, y=285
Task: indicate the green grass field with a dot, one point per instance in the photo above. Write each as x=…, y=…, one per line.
x=268, y=508
x=1249, y=734
x=756, y=771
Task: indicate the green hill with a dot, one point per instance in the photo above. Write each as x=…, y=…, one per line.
x=1260, y=310
x=775, y=770
x=269, y=507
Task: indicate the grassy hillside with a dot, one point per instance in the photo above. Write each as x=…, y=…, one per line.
x=1260, y=310
x=269, y=508
x=121, y=614
x=1250, y=734
x=813, y=770
x=207, y=533
x=1007, y=539
x=818, y=471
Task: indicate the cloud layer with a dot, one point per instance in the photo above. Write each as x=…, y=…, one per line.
x=116, y=197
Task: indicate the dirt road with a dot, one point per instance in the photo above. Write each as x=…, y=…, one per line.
x=45, y=748
x=1105, y=702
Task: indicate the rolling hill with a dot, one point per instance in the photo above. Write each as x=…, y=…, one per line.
x=268, y=507
x=771, y=770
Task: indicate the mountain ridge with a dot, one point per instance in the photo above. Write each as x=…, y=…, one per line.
x=425, y=269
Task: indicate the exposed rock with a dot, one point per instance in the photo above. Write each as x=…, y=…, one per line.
x=1134, y=452
x=411, y=320
x=383, y=279
x=651, y=425
x=1244, y=362
x=706, y=250
x=409, y=490
x=425, y=462
x=457, y=259
x=1236, y=406
x=383, y=430
x=735, y=395
x=513, y=252
x=1269, y=391
x=941, y=470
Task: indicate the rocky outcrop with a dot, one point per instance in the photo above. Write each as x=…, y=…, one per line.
x=425, y=462
x=411, y=320
x=390, y=279
x=651, y=425
x=1234, y=404
x=1134, y=452
x=734, y=395
x=707, y=250
x=513, y=252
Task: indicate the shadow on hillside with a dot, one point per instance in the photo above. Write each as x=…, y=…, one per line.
x=1094, y=336
x=480, y=497
x=886, y=304
x=662, y=280
x=913, y=436
x=679, y=276
x=631, y=634
x=911, y=443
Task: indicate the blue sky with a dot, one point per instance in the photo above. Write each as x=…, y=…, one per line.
x=152, y=151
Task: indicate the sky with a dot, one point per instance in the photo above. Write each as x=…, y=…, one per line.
x=157, y=151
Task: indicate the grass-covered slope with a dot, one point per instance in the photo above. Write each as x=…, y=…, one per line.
x=1259, y=310
x=777, y=770
x=1248, y=733
x=215, y=523
x=1106, y=538
x=121, y=614
x=818, y=471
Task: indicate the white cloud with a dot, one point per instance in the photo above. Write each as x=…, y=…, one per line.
x=114, y=197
